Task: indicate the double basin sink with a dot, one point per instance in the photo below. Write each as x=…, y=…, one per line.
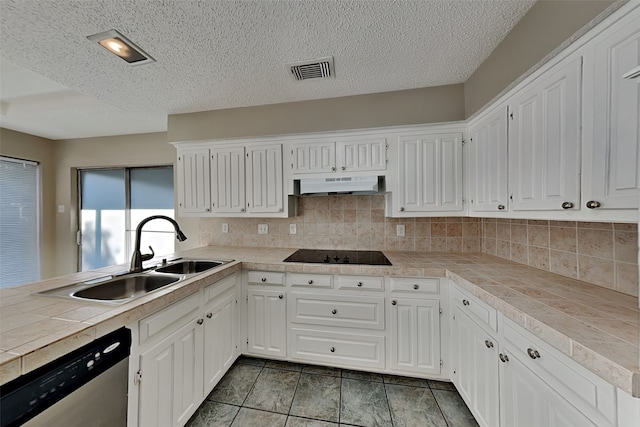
x=129, y=286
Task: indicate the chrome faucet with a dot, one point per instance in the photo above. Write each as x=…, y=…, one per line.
x=138, y=257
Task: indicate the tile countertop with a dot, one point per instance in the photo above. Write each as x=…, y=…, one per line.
x=596, y=327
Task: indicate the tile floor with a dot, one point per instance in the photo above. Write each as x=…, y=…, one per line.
x=264, y=393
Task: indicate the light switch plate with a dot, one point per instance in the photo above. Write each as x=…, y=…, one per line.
x=225, y=228
x=400, y=230
x=293, y=229
x=60, y=208
x=263, y=228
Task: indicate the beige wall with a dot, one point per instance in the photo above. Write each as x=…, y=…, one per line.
x=128, y=150
x=544, y=27
x=406, y=107
x=29, y=147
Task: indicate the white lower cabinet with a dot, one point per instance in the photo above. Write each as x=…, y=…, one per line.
x=414, y=335
x=475, y=368
x=267, y=322
x=183, y=352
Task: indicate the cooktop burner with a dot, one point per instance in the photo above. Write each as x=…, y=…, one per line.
x=332, y=256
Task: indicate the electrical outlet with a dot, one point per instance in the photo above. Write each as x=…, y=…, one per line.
x=293, y=229
x=400, y=230
x=225, y=228
x=263, y=228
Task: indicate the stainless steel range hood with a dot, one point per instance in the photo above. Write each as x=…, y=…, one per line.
x=359, y=185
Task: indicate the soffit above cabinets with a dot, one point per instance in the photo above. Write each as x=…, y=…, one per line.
x=225, y=54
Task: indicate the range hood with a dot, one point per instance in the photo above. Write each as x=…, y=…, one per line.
x=360, y=185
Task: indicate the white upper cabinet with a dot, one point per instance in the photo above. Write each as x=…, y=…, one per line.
x=429, y=173
x=357, y=155
x=612, y=119
x=194, y=191
x=544, y=141
x=487, y=163
x=227, y=180
x=264, y=179
x=314, y=157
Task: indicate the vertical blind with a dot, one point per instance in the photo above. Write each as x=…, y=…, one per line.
x=19, y=222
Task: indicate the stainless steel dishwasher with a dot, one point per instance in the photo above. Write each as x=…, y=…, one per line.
x=87, y=387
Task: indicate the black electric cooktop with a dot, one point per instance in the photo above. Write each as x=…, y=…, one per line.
x=333, y=256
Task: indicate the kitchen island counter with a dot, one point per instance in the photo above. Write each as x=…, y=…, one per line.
x=597, y=327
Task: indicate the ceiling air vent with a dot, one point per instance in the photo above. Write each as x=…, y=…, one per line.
x=321, y=68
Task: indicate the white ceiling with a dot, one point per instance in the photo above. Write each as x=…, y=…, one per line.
x=211, y=55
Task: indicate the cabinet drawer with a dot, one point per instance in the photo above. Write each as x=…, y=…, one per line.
x=346, y=311
x=585, y=390
x=219, y=287
x=427, y=286
x=367, y=283
x=338, y=348
x=475, y=308
x=168, y=320
x=266, y=278
x=310, y=280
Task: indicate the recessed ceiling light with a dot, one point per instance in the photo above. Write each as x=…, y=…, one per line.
x=122, y=47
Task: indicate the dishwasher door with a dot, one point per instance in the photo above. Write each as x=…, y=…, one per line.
x=85, y=388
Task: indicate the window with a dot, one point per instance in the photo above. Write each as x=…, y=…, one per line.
x=112, y=204
x=19, y=221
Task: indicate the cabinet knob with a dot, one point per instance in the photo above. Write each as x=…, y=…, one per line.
x=416, y=286
x=592, y=204
x=501, y=207
x=332, y=349
x=402, y=209
x=241, y=209
x=209, y=315
x=534, y=354
x=344, y=168
x=333, y=169
x=394, y=302
x=567, y=205
x=207, y=209
x=280, y=296
x=310, y=282
x=334, y=311
x=200, y=321
x=264, y=279
x=504, y=358
x=465, y=302
x=488, y=343
x=359, y=284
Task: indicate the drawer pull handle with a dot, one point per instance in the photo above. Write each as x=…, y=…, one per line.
x=209, y=315
x=280, y=296
x=264, y=279
x=488, y=343
x=500, y=207
x=534, y=354
x=334, y=311
x=359, y=284
x=394, y=302
x=465, y=302
x=504, y=358
x=416, y=286
x=200, y=321
x=332, y=349
x=310, y=282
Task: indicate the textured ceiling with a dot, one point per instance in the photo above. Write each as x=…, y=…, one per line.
x=225, y=54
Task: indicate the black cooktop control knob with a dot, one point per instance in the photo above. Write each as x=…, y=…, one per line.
x=336, y=258
x=345, y=259
x=327, y=259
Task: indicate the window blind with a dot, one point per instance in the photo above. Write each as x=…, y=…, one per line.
x=19, y=222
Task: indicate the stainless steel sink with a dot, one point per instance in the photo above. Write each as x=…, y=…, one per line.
x=125, y=288
x=189, y=267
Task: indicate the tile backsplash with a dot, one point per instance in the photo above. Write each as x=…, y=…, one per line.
x=604, y=254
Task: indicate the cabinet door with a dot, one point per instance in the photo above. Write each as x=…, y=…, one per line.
x=544, y=141
x=415, y=335
x=475, y=366
x=264, y=179
x=430, y=178
x=527, y=401
x=314, y=157
x=227, y=180
x=194, y=186
x=362, y=155
x=267, y=323
x=487, y=160
x=613, y=120
x=220, y=337
x=171, y=385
